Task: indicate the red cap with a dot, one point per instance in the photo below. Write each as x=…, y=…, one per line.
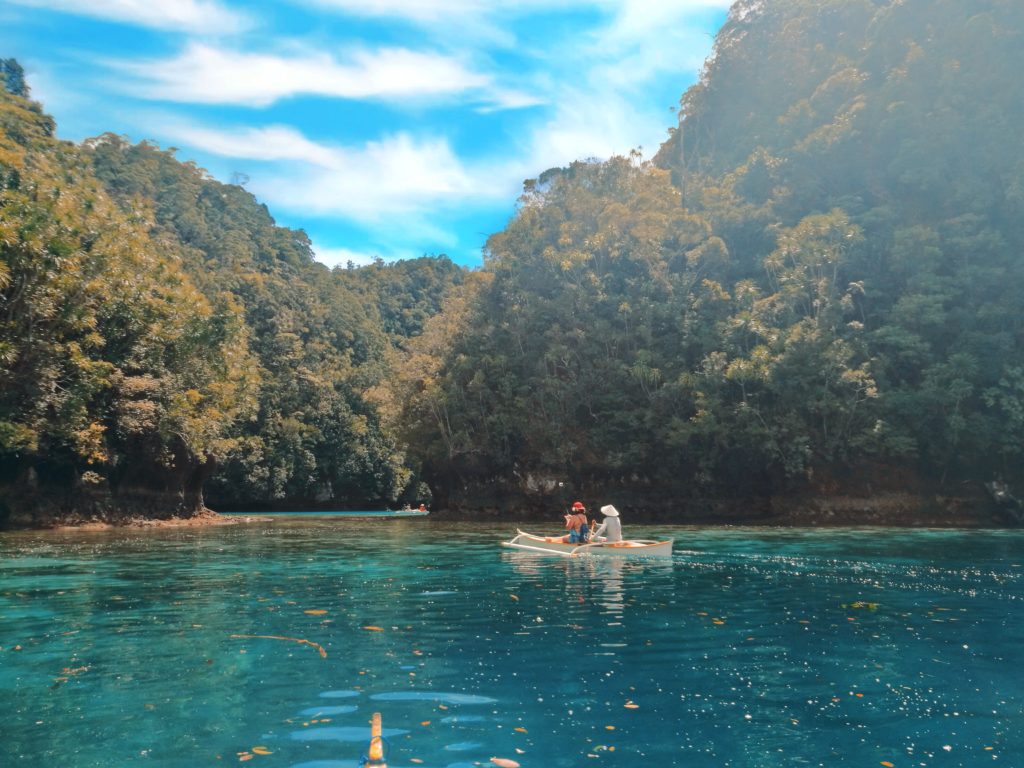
x=578, y=505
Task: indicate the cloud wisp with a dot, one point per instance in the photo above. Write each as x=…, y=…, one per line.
x=384, y=126
x=395, y=175
x=597, y=104
x=490, y=22
x=201, y=17
x=429, y=12
x=205, y=74
x=341, y=257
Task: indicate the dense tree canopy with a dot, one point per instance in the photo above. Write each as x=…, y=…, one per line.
x=814, y=280
x=153, y=317
x=828, y=283
x=113, y=361
x=316, y=343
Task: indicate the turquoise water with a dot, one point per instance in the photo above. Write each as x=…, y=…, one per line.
x=345, y=513
x=748, y=648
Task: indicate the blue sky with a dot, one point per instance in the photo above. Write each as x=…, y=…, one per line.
x=387, y=128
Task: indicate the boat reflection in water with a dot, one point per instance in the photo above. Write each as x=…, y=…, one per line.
x=590, y=582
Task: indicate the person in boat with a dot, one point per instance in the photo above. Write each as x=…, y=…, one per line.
x=611, y=528
x=576, y=522
x=423, y=508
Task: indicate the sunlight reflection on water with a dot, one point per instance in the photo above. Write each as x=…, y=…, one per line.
x=750, y=647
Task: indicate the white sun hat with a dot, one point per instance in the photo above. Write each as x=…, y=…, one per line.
x=609, y=511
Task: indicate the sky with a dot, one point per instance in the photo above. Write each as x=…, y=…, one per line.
x=383, y=128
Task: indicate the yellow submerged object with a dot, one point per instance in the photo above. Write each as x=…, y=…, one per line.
x=375, y=752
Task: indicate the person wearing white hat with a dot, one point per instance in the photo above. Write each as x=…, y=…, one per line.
x=611, y=528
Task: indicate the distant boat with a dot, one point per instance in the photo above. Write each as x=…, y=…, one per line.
x=408, y=511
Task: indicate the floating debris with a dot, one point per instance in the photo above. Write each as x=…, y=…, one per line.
x=319, y=648
x=862, y=604
x=375, y=757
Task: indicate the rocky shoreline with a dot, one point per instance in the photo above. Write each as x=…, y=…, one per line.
x=868, y=499
x=207, y=517
x=154, y=510
x=896, y=510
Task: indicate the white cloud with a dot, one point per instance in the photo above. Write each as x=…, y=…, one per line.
x=606, y=108
x=415, y=10
x=417, y=180
x=637, y=19
x=340, y=257
x=406, y=191
x=397, y=174
x=646, y=38
x=400, y=190
x=394, y=175
x=196, y=16
x=582, y=127
x=491, y=22
x=634, y=13
x=501, y=98
x=205, y=74
x=595, y=88
x=271, y=143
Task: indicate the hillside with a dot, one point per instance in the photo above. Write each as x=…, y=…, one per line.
x=805, y=302
x=810, y=292
x=163, y=338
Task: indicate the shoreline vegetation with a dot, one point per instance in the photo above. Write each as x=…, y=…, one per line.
x=805, y=308
x=205, y=518
x=894, y=510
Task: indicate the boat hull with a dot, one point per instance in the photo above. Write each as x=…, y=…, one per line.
x=554, y=546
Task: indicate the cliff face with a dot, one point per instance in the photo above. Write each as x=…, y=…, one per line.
x=49, y=510
x=880, y=497
x=28, y=502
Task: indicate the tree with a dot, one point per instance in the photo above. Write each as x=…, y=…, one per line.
x=14, y=78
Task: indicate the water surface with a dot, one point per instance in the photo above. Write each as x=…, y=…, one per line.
x=750, y=647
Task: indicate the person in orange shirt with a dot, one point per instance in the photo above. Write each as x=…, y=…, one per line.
x=576, y=522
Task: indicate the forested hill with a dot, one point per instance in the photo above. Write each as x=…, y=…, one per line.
x=160, y=335
x=810, y=296
x=814, y=288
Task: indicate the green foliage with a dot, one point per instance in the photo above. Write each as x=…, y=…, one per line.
x=158, y=330
x=817, y=274
x=317, y=335
x=13, y=78
x=837, y=286
x=108, y=349
x=406, y=293
x=553, y=362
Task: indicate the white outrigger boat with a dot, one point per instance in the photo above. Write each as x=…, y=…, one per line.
x=553, y=545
